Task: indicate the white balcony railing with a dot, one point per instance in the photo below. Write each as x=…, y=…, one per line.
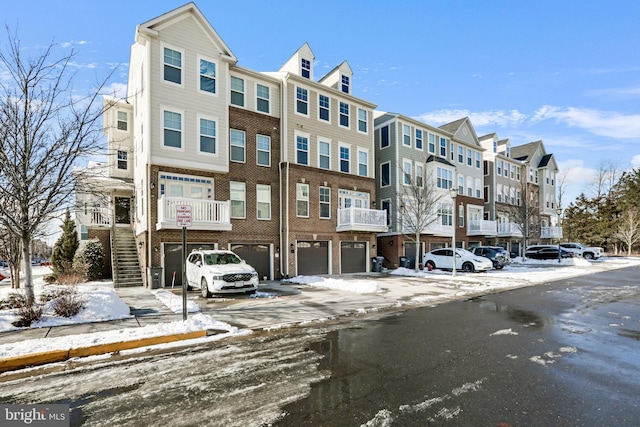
x=551, y=233
x=205, y=214
x=509, y=229
x=358, y=219
x=482, y=228
x=95, y=217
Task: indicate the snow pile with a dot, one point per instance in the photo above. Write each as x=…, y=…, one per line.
x=356, y=286
x=174, y=302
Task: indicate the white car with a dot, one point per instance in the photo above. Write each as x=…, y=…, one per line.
x=219, y=272
x=465, y=260
x=584, y=251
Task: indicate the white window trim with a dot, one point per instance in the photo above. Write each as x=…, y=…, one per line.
x=258, y=201
x=326, y=141
x=295, y=97
x=389, y=184
x=406, y=162
x=217, y=80
x=347, y=146
x=231, y=145
x=366, y=120
x=182, y=65
x=300, y=185
x=244, y=92
x=213, y=119
x=320, y=203
x=296, y=134
x=182, y=130
x=349, y=116
x=363, y=150
x=244, y=213
x=323, y=120
x=404, y=134
x=271, y=91
x=415, y=138
x=258, y=150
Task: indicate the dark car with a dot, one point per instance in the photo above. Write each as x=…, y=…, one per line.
x=546, y=252
x=498, y=256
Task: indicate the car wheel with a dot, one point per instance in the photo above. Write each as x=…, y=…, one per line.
x=204, y=288
x=431, y=264
x=499, y=267
x=588, y=255
x=468, y=267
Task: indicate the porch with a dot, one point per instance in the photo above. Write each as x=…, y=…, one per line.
x=211, y=215
x=359, y=219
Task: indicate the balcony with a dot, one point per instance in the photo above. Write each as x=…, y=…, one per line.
x=509, y=229
x=209, y=215
x=482, y=228
x=358, y=219
x=95, y=217
x=551, y=232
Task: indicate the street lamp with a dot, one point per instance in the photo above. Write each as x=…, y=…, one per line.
x=453, y=192
x=559, y=211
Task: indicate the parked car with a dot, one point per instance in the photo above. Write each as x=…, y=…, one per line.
x=465, y=260
x=547, y=252
x=498, y=256
x=219, y=272
x=584, y=251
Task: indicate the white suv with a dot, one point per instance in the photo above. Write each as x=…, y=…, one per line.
x=219, y=271
x=584, y=251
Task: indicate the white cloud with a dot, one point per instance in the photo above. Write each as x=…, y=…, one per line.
x=603, y=123
x=500, y=118
x=635, y=161
x=117, y=90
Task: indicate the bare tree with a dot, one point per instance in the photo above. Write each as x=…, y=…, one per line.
x=46, y=130
x=526, y=213
x=606, y=178
x=11, y=252
x=418, y=200
x=628, y=231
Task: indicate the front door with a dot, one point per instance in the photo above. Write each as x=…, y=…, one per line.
x=123, y=207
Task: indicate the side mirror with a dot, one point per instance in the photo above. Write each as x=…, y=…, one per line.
x=199, y=263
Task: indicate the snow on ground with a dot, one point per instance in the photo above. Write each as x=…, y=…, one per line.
x=174, y=302
x=103, y=303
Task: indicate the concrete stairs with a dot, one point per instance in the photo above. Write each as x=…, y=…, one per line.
x=124, y=255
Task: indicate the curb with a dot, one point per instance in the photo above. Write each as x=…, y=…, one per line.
x=35, y=359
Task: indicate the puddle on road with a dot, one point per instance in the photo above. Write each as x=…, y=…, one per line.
x=523, y=317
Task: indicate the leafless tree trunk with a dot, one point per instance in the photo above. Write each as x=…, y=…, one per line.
x=607, y=177
x=418, y=200
x=526, y=214
x=45, y=129
x=628, y=231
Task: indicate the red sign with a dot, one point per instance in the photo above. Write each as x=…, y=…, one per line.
x=183, y=215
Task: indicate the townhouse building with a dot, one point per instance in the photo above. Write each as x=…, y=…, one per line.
x=275, y=166
x=410, y=152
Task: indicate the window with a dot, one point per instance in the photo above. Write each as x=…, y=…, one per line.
x=362, y=120
x=495, y=146
x=469, y=186
x=263, y=201
x=172, y=129
x=499, y=166
x=302, y=101
x=305, y=66
x=386, y=206
x=419, y=175
x=444, y=178
x=406, y=172
x=302, y=150
x=461, y=185
x=263, y=154
x=237, y=91
x=207, y=136
x=262, y=93
x=432, y=143
x=122, y=160
x=469, y=157
x=207, y=76
x=237, y=146
x=452, y=150
x=323, y=108
x=385, y=174
x=418, y=139
x=344, y=114
x=345, y=84
x=460, y=154
x=324, y=155
x=478, y=160
x=172, y=66
x=302, y=200
x=461, y=216
x=325, y=202
x=406, y=135
x=344, y=159
x=122, y=120
x=238, y=195
x=443, y=147
x=513, y=172
x=446, y=213
x=363, y=163
x=384, y=137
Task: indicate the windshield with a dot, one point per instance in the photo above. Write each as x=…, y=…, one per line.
x=220, y=259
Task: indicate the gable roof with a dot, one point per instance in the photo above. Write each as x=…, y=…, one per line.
x=151, y=27
x=463, y=130
x=526, y=151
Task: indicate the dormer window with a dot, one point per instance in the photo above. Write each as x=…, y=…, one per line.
x=306, y=68
x=495, y=146
x=345, y=84
x=508, y=151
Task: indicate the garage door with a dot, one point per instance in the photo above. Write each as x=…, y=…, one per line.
x=173, y=261
x=353, y=257
x=256, y=256
x=313, y=258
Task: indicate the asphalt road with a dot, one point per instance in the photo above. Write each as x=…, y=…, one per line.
x=560, y=354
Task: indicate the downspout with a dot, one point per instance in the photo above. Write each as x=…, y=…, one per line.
x=284, y=154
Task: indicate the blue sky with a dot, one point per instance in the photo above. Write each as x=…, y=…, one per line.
x=564, y=72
